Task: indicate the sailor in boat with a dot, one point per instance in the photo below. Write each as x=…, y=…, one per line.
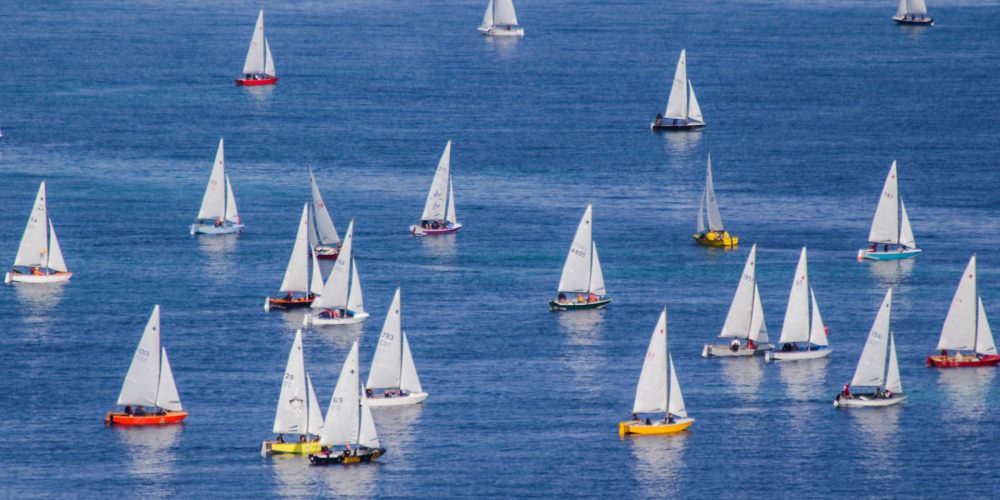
x=670, y=418
x=789, y=346
x=128, y=410
x=734, y=345
x=659, y=119
x=336, y=313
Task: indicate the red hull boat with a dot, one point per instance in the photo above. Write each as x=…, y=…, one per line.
x=262, y=81
x=170, y=417
x=969, y=362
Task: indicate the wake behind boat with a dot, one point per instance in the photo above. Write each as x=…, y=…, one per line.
x=439, y=209
x=887, y=228
x=218, y=213
x=393, y=380
x=500, y=20
x=913, y=13
x=341, y=302
x=582, y=275
x=149, y=383
x=966, y=328
x=716, y=234
x=881, y=387
x=745, y=319
x=298, y=410
x=299, y=290
x=39, y=257
x=323, y=237
x=258, y=69
x=683, y=112
x=800, y=340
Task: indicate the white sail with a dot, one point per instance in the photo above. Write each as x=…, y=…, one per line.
x=596, y=274
x=341, y=424
x=437, y=197
x=488, y=16
x=651, y=393
x=676, y=399
x=677, y=104
x=917, y=7
x=56, y=261
x=335, y=291
x=367, y=435
x=984, y=335
x=292, y=414
x=232, y=214
x=504, y=13
x=701, y=214
x=316, y=287
x=737, y=323
x=711, y=204
x=388, y=360
x=143, y=377
x=576, y=271
x=871, y=367
x=315, y=419
x=297, y=273
x=694, y=110
x=327, y=232
x=758, y=329
x=796, y=325
x=817, y=332
x=213, y=204
x=905, y=231
x=901, y=9
x=885, y=225
x=959, y=330
x=268, y=60
x=33, y=250
x=355, y=301
x=166, y=393
x=254, y=63
x=409, y=381
x=451, y=217
x=892, y=381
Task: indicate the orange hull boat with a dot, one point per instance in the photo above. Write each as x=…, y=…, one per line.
x=171, y=417
x=966, y=362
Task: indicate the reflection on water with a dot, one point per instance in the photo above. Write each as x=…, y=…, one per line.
x=876, y=443
x=965, y=390
x=676, y=143
x=151, y=454
x=259, y=94
x=583, y=350
x=397, y=434
x=439, y=246
x=38, y=303
x=504, y=46
x=340, y=337
x=891, y=272
x=802, y=378
x=293, y=475
x=293, y=317
x=219, y=250
x=356, y=480
x=659, y=462
x=582, y=327
x=744, y=375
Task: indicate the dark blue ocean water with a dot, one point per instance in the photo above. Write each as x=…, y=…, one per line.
x=119, y=106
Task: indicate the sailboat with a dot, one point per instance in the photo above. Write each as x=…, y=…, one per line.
x=298, y=410
x=39, y=257
x=500, y=20
x=296, y=278
x=745, y=319
x=393, y=379
x=655, y=394
x=218, y=213
x=582, y=273
x=258, y=69
x=887, y=228
x=683, y=112
x=348, y=434
x=966, y=328
x=323, y=237
x=439, y=209
x=883, y=387
x=341, y=302
x=150, y=383
x=912, y=12
x=715, y=235
x=796, y=329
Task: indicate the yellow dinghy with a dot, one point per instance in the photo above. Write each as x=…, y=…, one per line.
x=300, y=448
x=716, y=239
x=657, y=428
x=715, y=235
x=298, y=409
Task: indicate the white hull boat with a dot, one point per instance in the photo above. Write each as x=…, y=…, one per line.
x=868, y=401
x=218, y=213
x=36, y=279
x=341, y=301
x=39, y=256
x=377, y=401
x=393, y=379
x=514, y=31
x=213, y=229
x=725, y=351
x=796, y=355
x=353, y=320
x=745, y=321
x=879, y=376
x=500, y=20
x=801, y=339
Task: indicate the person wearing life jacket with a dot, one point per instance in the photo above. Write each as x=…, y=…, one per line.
x=846, y=392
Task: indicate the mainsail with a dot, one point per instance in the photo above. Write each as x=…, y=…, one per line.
x=213, y=204
x=871, y=367
x=437, y=197
x=336, y=289
x=576, y=271
x=33, y=250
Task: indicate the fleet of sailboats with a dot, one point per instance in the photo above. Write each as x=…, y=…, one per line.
x=966, y=328
x=913, y=12
x=39, y=257
x=393, y=380
x=298, y=411
x=500, y=20
x=323, y=237
x=891, y=226
x=715, y=234
x=683, y=111
x=880, y=386
x=439, y=209
x=258, y=69
x=297, y=274
x=218, y=213
x=799, y=339
x=341, y=301
x=581, y=285
x=745, y=320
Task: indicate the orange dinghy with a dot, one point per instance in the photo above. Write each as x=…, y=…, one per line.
x=165, y=418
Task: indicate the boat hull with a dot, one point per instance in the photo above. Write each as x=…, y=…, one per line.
x=417, y=230
x=724, y=351
x=276, y=448
x=250, y=82
x=710, y=240
x=282, y=303
x=680, y=127
x=555, y=305
x=383, y=402
x=119, y=418
x=324, y=252
x=57, y=277
x=353, y=320
x=360, y=456
x=775, y=355
x=213, y=229
x=966, y=362
x=927, y=21
x=656, y=428
x=503, y=32
x=867, y=253
x=868, y=401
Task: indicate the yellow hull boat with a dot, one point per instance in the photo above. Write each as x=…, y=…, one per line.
x=276, y=448
x=714, y=239
x=659, y=427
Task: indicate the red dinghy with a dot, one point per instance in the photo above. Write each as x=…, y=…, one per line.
x=966, y=328
x=964, y=362
x=259, y=66
x=164, y=418
x=257, y=80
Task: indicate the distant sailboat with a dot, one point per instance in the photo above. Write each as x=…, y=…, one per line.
x=715, y=235
x=796, y=329
x=298, y=410
x=393, y=380
x=258, y=69
x=297, y=278
x=439, y=209
x=745, y=319
x=218, y=213
x=888, y=228
x=341, y=302
x=913, y=12
x=39, y=257
x=149, y=383
x=655, y=393
x=886, y=388
x=966, y=328
x=348, y=434
x=323, y=237
x=582, y=275
x=500, y=20
x=683, y=112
